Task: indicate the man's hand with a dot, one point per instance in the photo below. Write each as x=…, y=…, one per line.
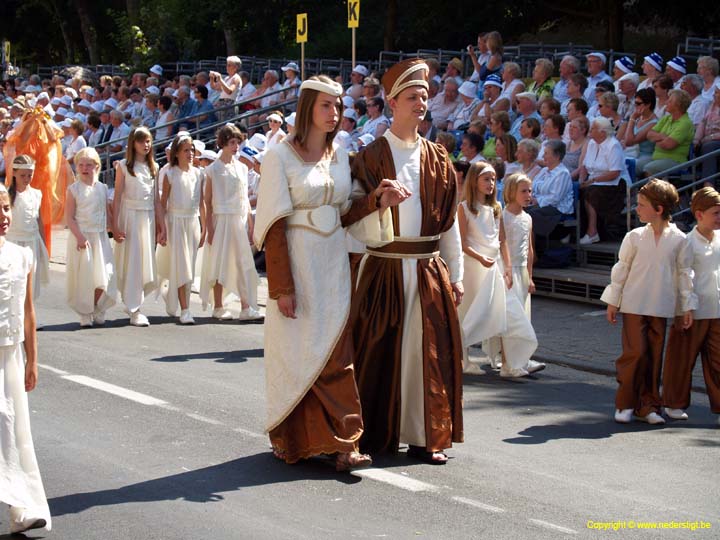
x=287, y=305
x=611, y=314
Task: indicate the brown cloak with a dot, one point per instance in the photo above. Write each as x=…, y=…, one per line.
x=377, y=310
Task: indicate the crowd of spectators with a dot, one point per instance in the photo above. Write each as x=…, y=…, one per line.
x=579, y=126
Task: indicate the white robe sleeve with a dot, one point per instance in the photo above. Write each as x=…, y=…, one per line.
x=451, y=252
x=273, y=202
x=612, y=295
x=372, y=230
x=688, y=300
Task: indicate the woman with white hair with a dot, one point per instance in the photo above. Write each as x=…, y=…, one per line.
x=708, y=68
x=602, y=182
x=543, y=83
x=512, y=82
x=227, y=86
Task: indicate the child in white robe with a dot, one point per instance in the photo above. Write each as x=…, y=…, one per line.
x=90, y=273
x=228, y=264
x=20, y=484
x=136, y=205
x=27, y=228
x=488, y=313
x=181, y=184
x=518, y=234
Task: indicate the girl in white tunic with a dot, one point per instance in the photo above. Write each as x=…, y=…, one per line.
x=179, y=243
x=27, y=228
x=518, y=233
x=135, y=206
x=20, y=483
x=228, y=264
x=487, y=312
x=91, y=288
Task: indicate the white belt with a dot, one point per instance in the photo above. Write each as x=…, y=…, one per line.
x=183, y=212
x=138, y=204
x=323, y=220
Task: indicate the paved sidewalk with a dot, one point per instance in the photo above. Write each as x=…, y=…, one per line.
x=570, y=334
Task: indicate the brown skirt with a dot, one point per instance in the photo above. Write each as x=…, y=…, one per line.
x=328, y=419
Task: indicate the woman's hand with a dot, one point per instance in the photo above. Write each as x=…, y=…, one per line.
x=531, y=287
x=31, y=376
x=487, y=262
x=458, y=292
x=209, y=234
x=161, y=237
x=82, y=243
x=118, y=236
x=287, y=305
x=391, y=193
x=507, y=276
x=611, y=314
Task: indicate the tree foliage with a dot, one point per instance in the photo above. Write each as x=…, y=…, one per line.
x=141, y=33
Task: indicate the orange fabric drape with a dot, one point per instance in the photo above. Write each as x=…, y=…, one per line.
x=37, y=137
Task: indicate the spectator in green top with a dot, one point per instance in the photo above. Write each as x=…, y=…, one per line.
x=672, y=135
x=543, y=84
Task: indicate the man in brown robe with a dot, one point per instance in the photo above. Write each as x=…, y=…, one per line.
x=408, y=359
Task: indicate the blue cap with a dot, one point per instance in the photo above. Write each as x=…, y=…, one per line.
x=493, y=80
x=655, y=60
x=625, y=64
x=678, y=64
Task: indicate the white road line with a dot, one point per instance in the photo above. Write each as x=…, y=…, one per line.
x=552, y=526
x=53, y=370
x=480, y=505
x=397, y=480
x=250, y=433
x=205, y=419
x=115, y=390
x=593, y=314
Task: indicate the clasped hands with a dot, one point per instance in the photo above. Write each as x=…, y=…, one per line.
x=390, y=193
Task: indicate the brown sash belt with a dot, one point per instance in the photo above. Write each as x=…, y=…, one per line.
x=425, y=249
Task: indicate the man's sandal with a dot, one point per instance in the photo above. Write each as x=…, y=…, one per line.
x=348, y=461
x=432, y=458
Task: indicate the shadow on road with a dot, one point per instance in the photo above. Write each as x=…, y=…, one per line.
x=221, y=357
x=203, y=485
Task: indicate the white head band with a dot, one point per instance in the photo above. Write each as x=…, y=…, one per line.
x=487, y=169
x=333, y=88
x=399, y=87
x=28, y=166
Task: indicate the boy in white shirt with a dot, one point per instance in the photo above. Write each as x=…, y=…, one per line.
x=703, y=337
x=653, y=275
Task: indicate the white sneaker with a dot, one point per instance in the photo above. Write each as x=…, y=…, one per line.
x=86, y=321
x=587, y=240
x=512, y=373
x=222, y=314
x=653, y=418
x=186, y=317
x=676, y=414
x=623, y=416
x=138, y=319
x=534, y=366
x=98, y=317
x=250, y=314
x=565, y=240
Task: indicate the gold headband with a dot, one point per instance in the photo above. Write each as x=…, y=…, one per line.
x=399, y=87
x=334, y=89
x=28, y=166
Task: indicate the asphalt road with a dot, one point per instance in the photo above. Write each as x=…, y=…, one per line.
x=157, y=433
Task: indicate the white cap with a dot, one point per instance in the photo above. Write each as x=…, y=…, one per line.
x=208, y=154
x=176, y=93
x=90, y=92
x=65, y=123
x=157, y=69
x=98, y=106
x=199, y=146
x=291, y=66
x=362, y=70
x=72, y=92
x=258, y=141
x=84, y=103
x=153, y=90
x=350, y=113
x=55, y=102
x=290, y=120
x=66, y=100
x=348, y=101
x=632, y=77
x=111, y=103
x=248, y=152
x=274, y=116
x=43, y=95
x=528, y=95
x=599, y=55
x=62, y=111
x=468, y=89
x=81, y=117
x=344, y=139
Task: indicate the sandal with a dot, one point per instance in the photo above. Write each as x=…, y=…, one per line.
x=347, y=461
x=432, y=458
x=279, y=454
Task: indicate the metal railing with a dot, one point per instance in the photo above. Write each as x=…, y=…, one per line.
x=670, y=172
x=196, y=132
